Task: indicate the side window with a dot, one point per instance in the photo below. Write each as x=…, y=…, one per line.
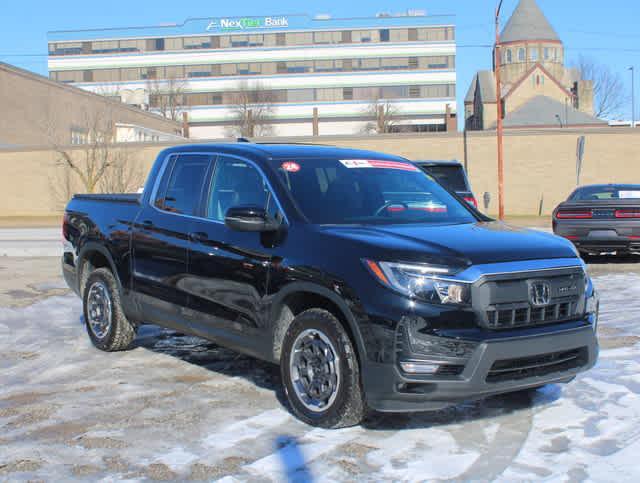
x=182, y=184
x=158, y=202
x=236, y=183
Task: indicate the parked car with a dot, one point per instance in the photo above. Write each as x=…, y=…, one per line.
x=601, y=219
x=326, y=262
x=451, y=175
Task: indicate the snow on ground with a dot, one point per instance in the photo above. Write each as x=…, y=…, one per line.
x=178, y=407
x=30, y=242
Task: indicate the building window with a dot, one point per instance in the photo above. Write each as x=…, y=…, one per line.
x=522, y=55
x=508, y=56
x=347, y=93
x=412, y=35
x=384, y=35
x=533, y=54
x=197, y=42
x=79, y=136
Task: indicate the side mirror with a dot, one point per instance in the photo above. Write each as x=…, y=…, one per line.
x=250, y=218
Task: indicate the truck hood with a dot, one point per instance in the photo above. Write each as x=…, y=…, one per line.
x=474, y=243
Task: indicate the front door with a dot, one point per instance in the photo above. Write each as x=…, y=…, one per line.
x=228, y=270
x=161, y=239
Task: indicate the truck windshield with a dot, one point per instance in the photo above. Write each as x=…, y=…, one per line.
x=333, y=191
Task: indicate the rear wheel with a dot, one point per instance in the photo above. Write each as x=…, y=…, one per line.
x=107, y=326
x=320, y=371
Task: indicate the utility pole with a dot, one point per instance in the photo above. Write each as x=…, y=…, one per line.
x=633, y=97
x=499, y=125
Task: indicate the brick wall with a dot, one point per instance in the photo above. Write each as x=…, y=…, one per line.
x=538, y=165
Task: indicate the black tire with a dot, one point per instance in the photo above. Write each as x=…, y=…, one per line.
x=347, y=407
x=120, y=332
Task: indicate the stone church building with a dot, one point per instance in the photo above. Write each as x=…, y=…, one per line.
x=538, y=91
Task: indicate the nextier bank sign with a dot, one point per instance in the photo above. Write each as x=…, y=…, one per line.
x=248, y=23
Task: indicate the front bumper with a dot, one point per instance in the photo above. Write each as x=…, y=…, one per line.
x=495, y=366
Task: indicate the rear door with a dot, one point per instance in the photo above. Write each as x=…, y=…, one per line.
x=228, y=270
x=161, y=238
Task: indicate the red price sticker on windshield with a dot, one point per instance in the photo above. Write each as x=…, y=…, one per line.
x=377, y=163
x=290, y=167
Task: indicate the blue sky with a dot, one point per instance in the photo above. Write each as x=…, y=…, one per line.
x=604, y=31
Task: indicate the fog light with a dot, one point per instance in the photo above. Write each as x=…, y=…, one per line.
x=416, y=367
x=592, y=307
x=593, y=303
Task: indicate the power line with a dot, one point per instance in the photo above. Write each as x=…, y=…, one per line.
x=606, y=34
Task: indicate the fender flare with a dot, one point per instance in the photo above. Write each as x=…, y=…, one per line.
x=322, y=291
x=82, y=258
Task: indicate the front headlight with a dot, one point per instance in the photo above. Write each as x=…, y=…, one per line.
x=424, y=282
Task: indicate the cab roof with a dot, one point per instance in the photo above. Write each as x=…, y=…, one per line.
x=282, y=151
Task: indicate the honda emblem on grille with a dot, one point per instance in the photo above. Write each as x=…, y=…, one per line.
x=540, y=293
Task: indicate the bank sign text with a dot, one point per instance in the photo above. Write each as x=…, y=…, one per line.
x=248, y=23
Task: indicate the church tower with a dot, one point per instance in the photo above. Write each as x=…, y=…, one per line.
x=537, y=90
x=529, y=39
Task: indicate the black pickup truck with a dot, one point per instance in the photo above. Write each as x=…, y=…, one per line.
x=368, y=283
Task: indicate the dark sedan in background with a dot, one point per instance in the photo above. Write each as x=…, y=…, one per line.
x=601, y=219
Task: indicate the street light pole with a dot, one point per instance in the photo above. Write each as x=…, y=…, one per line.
x=633, y=97
x=499, y=124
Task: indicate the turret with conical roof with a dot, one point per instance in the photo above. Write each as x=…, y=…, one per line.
x=529, y=38
x=528, y=23
x=535, y=86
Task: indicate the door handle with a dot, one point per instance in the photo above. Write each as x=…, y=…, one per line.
x=146, y=224
x=198, y=236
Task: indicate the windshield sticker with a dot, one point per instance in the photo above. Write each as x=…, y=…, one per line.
x=376, y=163
x=290, y=166
x=629, y=194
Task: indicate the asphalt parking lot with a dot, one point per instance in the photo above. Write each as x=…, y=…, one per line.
x=181, y=408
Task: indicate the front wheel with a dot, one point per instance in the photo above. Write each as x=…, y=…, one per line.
x=320, y=371
x=106, y=323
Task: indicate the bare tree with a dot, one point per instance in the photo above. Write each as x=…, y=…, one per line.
x=608, y=87
x=94, y=155
x=167, y=97
x=384, y=114
x=88, y=160
x=251, y=108
x=124, y=174
x=62, y=186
